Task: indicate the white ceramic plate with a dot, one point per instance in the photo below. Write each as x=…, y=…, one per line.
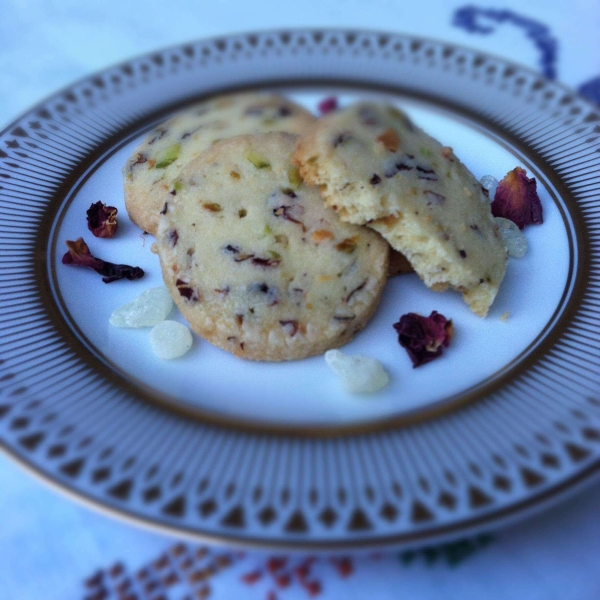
x=275, y=454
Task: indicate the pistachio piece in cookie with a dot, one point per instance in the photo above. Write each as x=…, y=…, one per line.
x=373, y=166
x=273, y=274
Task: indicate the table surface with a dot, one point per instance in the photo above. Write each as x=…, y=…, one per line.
x=49, y=545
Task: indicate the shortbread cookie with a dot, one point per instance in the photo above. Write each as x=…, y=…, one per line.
x=373, y=166
x=256, y=262
x=153, y=167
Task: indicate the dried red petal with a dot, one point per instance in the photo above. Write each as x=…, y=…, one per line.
x=265, y=262
x=102, y=220
x=517, y=199
x=328, y=105
x=290, y=213
x=188, y=292
x=424, y=338
x=79, y=255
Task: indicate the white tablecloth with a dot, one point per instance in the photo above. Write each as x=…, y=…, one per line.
x=50, y=545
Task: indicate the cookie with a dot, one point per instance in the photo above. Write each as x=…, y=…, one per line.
x=154, y=165
x=256, y=262
x=375, y=167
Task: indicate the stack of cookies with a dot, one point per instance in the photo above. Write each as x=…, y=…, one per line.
x=274, y=228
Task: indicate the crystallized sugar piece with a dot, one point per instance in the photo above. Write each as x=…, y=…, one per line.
x=170, y=339
x=152, y=307
x=489, y=183
x=513, y=238
x=358, y=374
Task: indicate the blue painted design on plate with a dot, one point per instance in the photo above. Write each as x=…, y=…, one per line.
x=484, y=20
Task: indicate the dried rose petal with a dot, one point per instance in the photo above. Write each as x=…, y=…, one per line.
x=327, y=105
x=79, y=254
x=265, y=262
x=290, y=213
x=517, y=199
x=187, y=292
x=424, y=337
x=102, y=220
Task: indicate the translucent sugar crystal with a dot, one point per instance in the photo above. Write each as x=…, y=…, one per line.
x=357, y=374
x=152, y=307
x=490, y=183
x=170, y=339
x=513, y=238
